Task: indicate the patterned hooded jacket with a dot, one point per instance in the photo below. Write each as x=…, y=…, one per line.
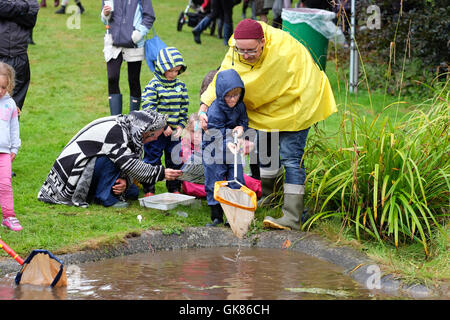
x=167, y=96
x=117, y=137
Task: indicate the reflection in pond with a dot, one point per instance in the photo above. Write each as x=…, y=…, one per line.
x=199, y=274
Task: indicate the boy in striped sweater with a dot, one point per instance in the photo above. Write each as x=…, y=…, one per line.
x=166, y=94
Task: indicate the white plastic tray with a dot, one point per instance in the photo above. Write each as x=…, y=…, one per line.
x=166, y=201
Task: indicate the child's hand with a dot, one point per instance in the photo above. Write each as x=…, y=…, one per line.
x=13, y=156
x=172, y=174
x=168, y=131
x=233, y=148
x=178, y=132
x=202, y=117
x=239, y=130
x=106, y=10
x=18, y=111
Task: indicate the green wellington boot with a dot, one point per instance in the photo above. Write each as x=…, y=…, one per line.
x=270, y=186
x=292, y=211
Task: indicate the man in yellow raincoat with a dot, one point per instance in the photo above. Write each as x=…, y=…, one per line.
x=285, y=93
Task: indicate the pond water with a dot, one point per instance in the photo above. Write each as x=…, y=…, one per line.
x=200, y=274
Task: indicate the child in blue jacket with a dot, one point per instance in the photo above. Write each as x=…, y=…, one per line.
x=227, y=116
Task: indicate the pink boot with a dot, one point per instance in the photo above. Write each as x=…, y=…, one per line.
x=43, y=4
x=12, y=223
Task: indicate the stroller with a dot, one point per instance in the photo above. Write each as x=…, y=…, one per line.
x=193, y=18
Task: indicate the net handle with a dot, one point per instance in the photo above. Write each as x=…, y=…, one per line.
x=11, y=252
x=235, y=138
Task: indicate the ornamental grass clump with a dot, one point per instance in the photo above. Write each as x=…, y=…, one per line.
x=389, y=181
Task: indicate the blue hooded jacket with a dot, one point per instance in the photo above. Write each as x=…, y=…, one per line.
x=220, y=115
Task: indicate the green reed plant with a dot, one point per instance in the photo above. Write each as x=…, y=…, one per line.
x=390, y=181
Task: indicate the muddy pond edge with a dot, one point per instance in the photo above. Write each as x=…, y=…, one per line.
x=355, y=264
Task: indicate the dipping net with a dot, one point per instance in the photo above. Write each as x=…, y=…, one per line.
x=42, y=268
x=239, y=206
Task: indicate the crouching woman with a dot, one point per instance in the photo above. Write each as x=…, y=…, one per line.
x=102, y=160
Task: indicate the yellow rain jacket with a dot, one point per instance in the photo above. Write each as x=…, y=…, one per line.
x=285, y=89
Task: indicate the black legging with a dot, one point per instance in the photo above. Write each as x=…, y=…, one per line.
x=134, y=76
x=222, y=7
x=21, y=66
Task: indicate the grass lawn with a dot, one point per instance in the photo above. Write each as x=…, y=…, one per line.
x=69, y=89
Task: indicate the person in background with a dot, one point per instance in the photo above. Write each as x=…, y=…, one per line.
x=129, y=22
x=17, y=20
x=44, y=3
x=64, y=4
x=166, y=94
x=219, y=8
x=245, y=5
x=100, y=163
x=9, y=145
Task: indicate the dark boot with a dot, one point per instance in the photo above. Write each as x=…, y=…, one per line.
x=227, y=32
x=219, y=28
x=202, y=25
x=216, y=215
x=149, y=189
x=293, y=208
x=115, y=104
x=61, y=10
x=135, y=104
x=80, y=6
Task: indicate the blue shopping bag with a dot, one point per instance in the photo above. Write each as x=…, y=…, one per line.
x=152, y=47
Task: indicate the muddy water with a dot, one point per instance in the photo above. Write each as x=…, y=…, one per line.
x=216, y=273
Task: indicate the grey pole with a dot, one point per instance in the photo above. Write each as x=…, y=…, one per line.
x=353, y=85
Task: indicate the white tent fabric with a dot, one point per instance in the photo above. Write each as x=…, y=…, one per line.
x=319, y=20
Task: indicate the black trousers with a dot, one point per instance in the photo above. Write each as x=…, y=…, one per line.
x=134, y=76
x=222, y=9
x=21, y=66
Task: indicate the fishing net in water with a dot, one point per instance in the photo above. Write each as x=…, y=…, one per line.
x=239, y=206
x=42, y=268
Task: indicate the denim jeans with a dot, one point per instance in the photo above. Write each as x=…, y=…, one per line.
x=287, y=148
x=104, y=177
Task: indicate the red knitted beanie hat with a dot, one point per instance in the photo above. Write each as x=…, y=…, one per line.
x=248, y=29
